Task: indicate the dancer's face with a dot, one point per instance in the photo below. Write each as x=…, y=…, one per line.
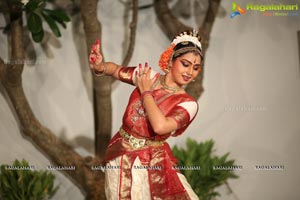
x=185, y=68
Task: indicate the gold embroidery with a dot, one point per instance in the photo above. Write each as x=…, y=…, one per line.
x=180, y=116
x=125, y=74
x=125, y=179
x=137, y=143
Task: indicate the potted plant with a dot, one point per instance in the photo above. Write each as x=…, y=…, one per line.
x=203, y=170
x=21, y=181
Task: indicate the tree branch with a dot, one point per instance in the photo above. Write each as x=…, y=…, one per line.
x=171, y=26
x=132, y=37
x=92, y=182
x=169, y=23
x=195, y=89
x=2, y=68
x=15, y=66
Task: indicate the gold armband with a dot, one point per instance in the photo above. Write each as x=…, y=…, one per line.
x=126, y=74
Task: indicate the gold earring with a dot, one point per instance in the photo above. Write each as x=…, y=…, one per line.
x=168, y=69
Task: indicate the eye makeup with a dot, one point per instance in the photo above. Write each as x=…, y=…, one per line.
x=187, y=63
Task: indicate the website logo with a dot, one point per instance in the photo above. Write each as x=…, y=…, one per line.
x=268, y=10
x=236, y=10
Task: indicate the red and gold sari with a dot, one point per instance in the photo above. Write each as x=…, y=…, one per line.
x=139, y=162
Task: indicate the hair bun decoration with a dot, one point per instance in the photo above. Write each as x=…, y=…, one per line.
x=188, y=37
x=165, y=58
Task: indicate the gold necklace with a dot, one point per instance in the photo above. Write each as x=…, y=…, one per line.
x=162, y=80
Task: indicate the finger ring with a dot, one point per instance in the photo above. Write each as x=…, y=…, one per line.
x=92, y=59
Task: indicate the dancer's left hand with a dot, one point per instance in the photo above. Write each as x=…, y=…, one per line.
x=143, y=80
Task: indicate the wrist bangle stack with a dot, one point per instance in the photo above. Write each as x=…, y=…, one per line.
x=148, y=92
x=100, y=73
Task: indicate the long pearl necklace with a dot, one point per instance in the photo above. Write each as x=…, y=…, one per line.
x=162, y=80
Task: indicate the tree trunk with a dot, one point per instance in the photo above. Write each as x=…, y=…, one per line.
x=102, y=85
x=91, y=182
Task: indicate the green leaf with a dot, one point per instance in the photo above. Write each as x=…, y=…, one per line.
x=52, y=24
x=14, y=184
x=223, y=158
x=52, y=192
x=32, y=5
x=35, y=24
x=4, y=181
x=3, y=169
x=38, y=37
x=63, y=24
x=17, y=163
x=61, y=15
x=24, y=162
x=30, y=186
x=37, y=188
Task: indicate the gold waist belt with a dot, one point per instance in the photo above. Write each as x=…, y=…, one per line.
x=137, y=143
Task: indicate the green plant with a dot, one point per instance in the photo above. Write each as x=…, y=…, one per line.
x=20, y=182
x=37, y=11
x=214, y=171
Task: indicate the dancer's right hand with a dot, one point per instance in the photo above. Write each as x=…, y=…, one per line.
x=95, y=57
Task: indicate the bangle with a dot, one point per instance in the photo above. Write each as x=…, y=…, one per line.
x=145, y=93
x=98, y=73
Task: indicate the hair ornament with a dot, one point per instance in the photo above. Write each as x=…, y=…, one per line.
x=165, y=58
x=184, y=38
x=188, y=37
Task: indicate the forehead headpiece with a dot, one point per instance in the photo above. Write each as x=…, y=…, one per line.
x=185, y=41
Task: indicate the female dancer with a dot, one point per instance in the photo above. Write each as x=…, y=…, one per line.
x=139, y=162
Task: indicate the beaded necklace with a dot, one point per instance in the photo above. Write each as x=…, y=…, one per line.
x=162, y=80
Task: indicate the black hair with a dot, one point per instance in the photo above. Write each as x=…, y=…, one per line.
x=186, y=47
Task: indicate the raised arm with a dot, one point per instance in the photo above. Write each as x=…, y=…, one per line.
x=98, y=66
